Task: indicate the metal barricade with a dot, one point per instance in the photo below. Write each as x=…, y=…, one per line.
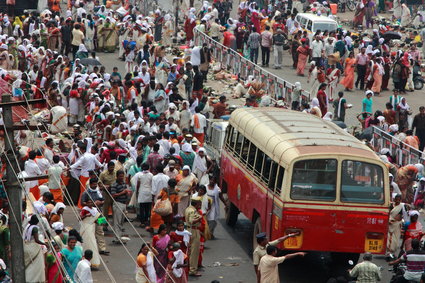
x=403, y=153
x=235, y=63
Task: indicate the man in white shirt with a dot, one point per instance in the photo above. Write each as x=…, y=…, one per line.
x=87, y=162
x=32, y=170
x=143, y=182
x=48, y=150
x=290, y=22
x=159, y=181
x=317, y=47
x=83, y=272
x=198, y=122
x=55, y=174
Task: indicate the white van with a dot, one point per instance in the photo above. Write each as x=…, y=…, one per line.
x=312, y=23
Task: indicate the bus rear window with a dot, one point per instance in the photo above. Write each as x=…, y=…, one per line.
x=362, y=182
x=314, y=180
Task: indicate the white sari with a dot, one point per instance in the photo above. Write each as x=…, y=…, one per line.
x=88, y=232
x=140, y=275
x=34, y=257
x=394, y=229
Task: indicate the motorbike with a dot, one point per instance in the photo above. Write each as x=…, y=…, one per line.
x=398, y=269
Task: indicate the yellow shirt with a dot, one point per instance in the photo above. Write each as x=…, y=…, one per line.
x=77, y=37
x=260, y=251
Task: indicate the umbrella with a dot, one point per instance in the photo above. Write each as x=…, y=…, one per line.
x=392, y=35
x=90, y=62
x=366, y=134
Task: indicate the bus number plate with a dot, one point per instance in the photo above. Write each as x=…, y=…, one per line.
x=374, y=245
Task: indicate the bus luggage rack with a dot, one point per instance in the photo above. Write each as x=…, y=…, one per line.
x=403, y=153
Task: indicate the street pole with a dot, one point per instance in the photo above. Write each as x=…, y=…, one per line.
x=15, y=196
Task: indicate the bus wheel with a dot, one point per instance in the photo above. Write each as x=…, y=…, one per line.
x=257, y=230
x=232, y=213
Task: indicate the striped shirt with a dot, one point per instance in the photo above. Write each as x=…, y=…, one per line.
x=415, y=263
x=366, y=272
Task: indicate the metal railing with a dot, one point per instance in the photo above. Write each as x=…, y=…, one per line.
x=403, y=153
x=235, y=63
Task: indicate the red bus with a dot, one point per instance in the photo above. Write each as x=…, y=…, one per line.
x=289, y=172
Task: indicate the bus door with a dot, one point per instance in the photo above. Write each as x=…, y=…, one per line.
x=274, y=178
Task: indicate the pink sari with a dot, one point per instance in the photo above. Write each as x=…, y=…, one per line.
x=302, y=59
x=54, y=274
x=161, y=244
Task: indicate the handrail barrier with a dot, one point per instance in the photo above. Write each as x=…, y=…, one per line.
x=276, y=87
x=403, y=153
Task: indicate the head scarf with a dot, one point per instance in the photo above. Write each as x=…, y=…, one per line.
x=40, y=208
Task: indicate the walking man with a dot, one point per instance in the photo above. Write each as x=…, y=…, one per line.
x=266, y=44
x=254, y=40
x=278, y=41
x=361, y=63
x=193, y=221
x=419, y=124
x=119, y=193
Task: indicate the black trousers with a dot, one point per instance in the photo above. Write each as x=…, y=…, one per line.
x=265, y=55
x=74, y=51
x=145, y=212
x=65, y=48
x=361, y=72
x=421, y=136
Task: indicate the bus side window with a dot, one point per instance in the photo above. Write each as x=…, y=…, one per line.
x=251, y=156
x=245, y=147
x=279, y=182
x=266, y=169
x=230, y=138
x=259, y=162
x=238, y=143
x=273, y=175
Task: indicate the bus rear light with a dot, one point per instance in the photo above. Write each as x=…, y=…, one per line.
x=374, y=242
x=294, y=242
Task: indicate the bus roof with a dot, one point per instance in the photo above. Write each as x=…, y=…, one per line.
x=278, y=132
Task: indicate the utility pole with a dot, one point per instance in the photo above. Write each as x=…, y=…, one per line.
x=15, y=196
x=13, y=187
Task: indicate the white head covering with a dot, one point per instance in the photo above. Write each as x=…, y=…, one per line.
x=384, y=151
x=413, y=213
x=58, y=206
x=40, y=208
x=393, y=128
x=57, y=226
x=297, y=85
x=187, y=147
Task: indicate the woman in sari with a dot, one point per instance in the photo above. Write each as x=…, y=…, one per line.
x=395, y=225
x=378, y=72
x=303, y=52
x=145, y=267
x=348, y=80
x=33, y=252
x=110, y=36
x=186, y=181
x=160, y=101
x=99, y=38
x=82, y=52
x=158, y=22
x=359, y=14
x=160, y=243
x=295, y=43
x=201, y=165
x=370, y=13
x=54, y=273
x=72, y=254
x=57, y=213
x=177, y=265
x=89, y=216
x=405, y=15
x=53, y=37
x=413, y=231
x=90, y=32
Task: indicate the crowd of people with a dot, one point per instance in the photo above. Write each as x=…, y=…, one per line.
x=138, y=135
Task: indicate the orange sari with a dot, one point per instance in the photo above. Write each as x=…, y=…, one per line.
x=348, y=80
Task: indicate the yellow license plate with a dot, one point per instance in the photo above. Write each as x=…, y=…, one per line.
x=374, y=245
x=293, y=242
